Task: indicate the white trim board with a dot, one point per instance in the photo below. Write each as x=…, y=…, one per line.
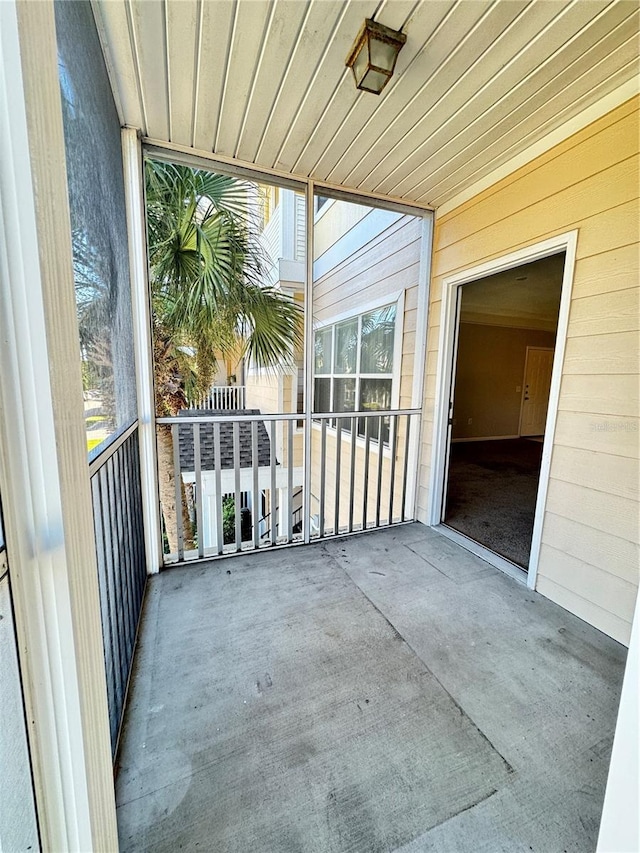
x=171, y=151
x=133, y=173
x=45, y=475
x=566, y=243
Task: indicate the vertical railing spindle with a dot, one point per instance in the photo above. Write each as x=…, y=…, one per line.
x=256, y=503
x=393, y=446
x=323, y=472
x=352, y=471
x=336, y=515
x=405, y=472
x=237, y=501
x=198, y=485
x=218, y=494
x=125, y=548
x=272, y=495
x=175, y=435
x=290, y=481
x=365, y=481
x=380, y=457
x=112, y=577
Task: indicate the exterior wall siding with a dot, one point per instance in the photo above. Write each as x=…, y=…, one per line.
x=387, y=264
x=589, y=557
x=390, y=263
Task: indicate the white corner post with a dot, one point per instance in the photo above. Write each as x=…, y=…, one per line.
x=143, y=346
x=308, y=363
x=420, y=356
x=620, y=824
x=44, y=474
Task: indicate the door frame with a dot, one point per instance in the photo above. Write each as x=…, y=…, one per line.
x=566, y=243
x=524, y=384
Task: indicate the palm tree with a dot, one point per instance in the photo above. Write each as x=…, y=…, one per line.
x=209, y=299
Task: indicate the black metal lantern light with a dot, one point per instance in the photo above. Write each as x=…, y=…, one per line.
x=373, y=56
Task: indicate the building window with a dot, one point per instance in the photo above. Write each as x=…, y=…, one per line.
x=353, y=368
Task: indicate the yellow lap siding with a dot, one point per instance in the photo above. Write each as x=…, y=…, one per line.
x=590, y=183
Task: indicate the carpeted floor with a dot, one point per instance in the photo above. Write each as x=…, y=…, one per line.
x=492, y=494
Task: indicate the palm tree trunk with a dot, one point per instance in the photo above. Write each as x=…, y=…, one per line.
x=167, y=490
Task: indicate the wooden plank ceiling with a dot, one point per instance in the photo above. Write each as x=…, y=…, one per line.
x=264, y=81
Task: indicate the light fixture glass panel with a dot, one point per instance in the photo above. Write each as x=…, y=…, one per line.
x=378, y=333
x=344, y=359
x=383, y=54
x=361, y=64
x=322, y=351
x=373, y=81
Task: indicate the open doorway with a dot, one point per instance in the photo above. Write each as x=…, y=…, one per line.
x=504, y=350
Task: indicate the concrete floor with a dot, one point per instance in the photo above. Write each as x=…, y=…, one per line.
x=384, y=692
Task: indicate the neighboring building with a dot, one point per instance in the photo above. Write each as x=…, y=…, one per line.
x=230, y=463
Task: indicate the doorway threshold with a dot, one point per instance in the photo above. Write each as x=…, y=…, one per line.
x=512, y=569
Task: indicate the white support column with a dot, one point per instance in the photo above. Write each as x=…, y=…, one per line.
x=620, y=825
x=44, y=474
x=419, y=367
x=308, y=365
x=140, y=304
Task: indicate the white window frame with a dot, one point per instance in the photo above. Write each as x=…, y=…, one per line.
x=397, y=298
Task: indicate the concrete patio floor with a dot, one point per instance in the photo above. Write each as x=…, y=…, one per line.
x=383, y=692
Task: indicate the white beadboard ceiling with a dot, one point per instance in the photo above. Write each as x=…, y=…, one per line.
x=263, y=81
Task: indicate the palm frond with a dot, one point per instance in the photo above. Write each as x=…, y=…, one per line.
x=209, y=273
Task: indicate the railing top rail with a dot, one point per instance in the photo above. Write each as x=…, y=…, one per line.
x=378, y=413
x=284, y=416
x=104, y=455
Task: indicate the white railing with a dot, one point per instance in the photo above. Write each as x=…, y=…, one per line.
x=222, y=398
x=239, y=480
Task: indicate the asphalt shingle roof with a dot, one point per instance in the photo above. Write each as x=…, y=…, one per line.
x=207, y=454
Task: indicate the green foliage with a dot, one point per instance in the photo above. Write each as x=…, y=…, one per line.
x=229, y=519
x=208, y=274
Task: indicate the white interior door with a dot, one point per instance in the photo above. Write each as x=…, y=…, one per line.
x=536, y=387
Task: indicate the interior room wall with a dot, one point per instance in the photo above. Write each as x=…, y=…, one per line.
x=489, y=376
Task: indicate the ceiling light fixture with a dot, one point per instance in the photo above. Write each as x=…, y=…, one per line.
x=373, y=56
